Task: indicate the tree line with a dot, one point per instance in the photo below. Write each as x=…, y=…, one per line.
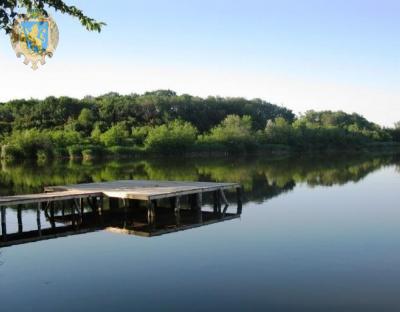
x=163, y=122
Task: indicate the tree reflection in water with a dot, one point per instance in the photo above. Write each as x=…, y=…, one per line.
x=261, y=177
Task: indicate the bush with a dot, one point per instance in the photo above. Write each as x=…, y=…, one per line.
x=279, y=131
x=140, y=134
x=114, y=136
x=30, y=142
x=174, y=137
x=234, y=134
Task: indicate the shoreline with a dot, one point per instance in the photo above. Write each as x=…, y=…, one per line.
x=268, y=151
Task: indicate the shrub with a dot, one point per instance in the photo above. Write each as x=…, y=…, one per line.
x=234, y=133
x=139, y=135
x=30, y=142
x=64, y=138
x=174, y=137
x=114, y=136
x=279, y=131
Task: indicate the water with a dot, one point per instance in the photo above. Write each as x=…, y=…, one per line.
x=316, y=233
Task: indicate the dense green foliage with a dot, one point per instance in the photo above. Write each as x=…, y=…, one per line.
x=163, y=122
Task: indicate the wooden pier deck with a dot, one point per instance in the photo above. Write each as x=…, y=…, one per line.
x=45, y=197
x=129, y=189
x=126, y=194
x=144, y=189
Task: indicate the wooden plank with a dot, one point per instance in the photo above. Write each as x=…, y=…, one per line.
x=44, y=197
x=146, y=190
x=130, y=189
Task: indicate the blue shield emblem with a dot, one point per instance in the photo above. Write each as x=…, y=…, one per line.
x=36, y=35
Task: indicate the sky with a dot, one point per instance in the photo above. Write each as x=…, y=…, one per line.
x=310, y=54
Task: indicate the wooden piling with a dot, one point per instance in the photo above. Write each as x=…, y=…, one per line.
x=38, y=222
x=223, y=197
x=81, y=206
x=3, y=223
x=151, y=214
x=217, y=201
x=199, y=204
x=101, y=204
x=52, y=222
x=177, y=210
x=239, y=195
x=19, y=219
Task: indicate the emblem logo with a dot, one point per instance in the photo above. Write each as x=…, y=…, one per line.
x=34, y=37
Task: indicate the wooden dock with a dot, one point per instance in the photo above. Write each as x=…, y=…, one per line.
x=145, y=190
x=45, y=197
x=126, y=194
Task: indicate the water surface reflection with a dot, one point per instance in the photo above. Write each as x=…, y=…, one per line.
x=317, y=233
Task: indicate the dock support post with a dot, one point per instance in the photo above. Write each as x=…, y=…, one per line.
x=73, y=219
x=239, y=195
x=81, y=206
x=52, y=222
x=223, y=197
x=3, y=223
x=177, y=210
x=19, y=218
x=39, y=226
x=199, y=204
x=151, y=214
x=95, y=204
x=101, y=204
x=217, y=202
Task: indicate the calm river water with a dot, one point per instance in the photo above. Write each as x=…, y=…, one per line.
x=316, y=233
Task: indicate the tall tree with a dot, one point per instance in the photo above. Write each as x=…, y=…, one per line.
x=9, y=10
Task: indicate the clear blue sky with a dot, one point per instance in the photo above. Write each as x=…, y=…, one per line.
x=338, y=55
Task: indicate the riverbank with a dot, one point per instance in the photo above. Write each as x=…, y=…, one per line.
x=92, y=152
x=164, y=123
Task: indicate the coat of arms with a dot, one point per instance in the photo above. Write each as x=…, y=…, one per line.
x=34, y=36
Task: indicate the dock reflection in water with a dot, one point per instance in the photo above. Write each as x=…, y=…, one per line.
x=60, y=220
